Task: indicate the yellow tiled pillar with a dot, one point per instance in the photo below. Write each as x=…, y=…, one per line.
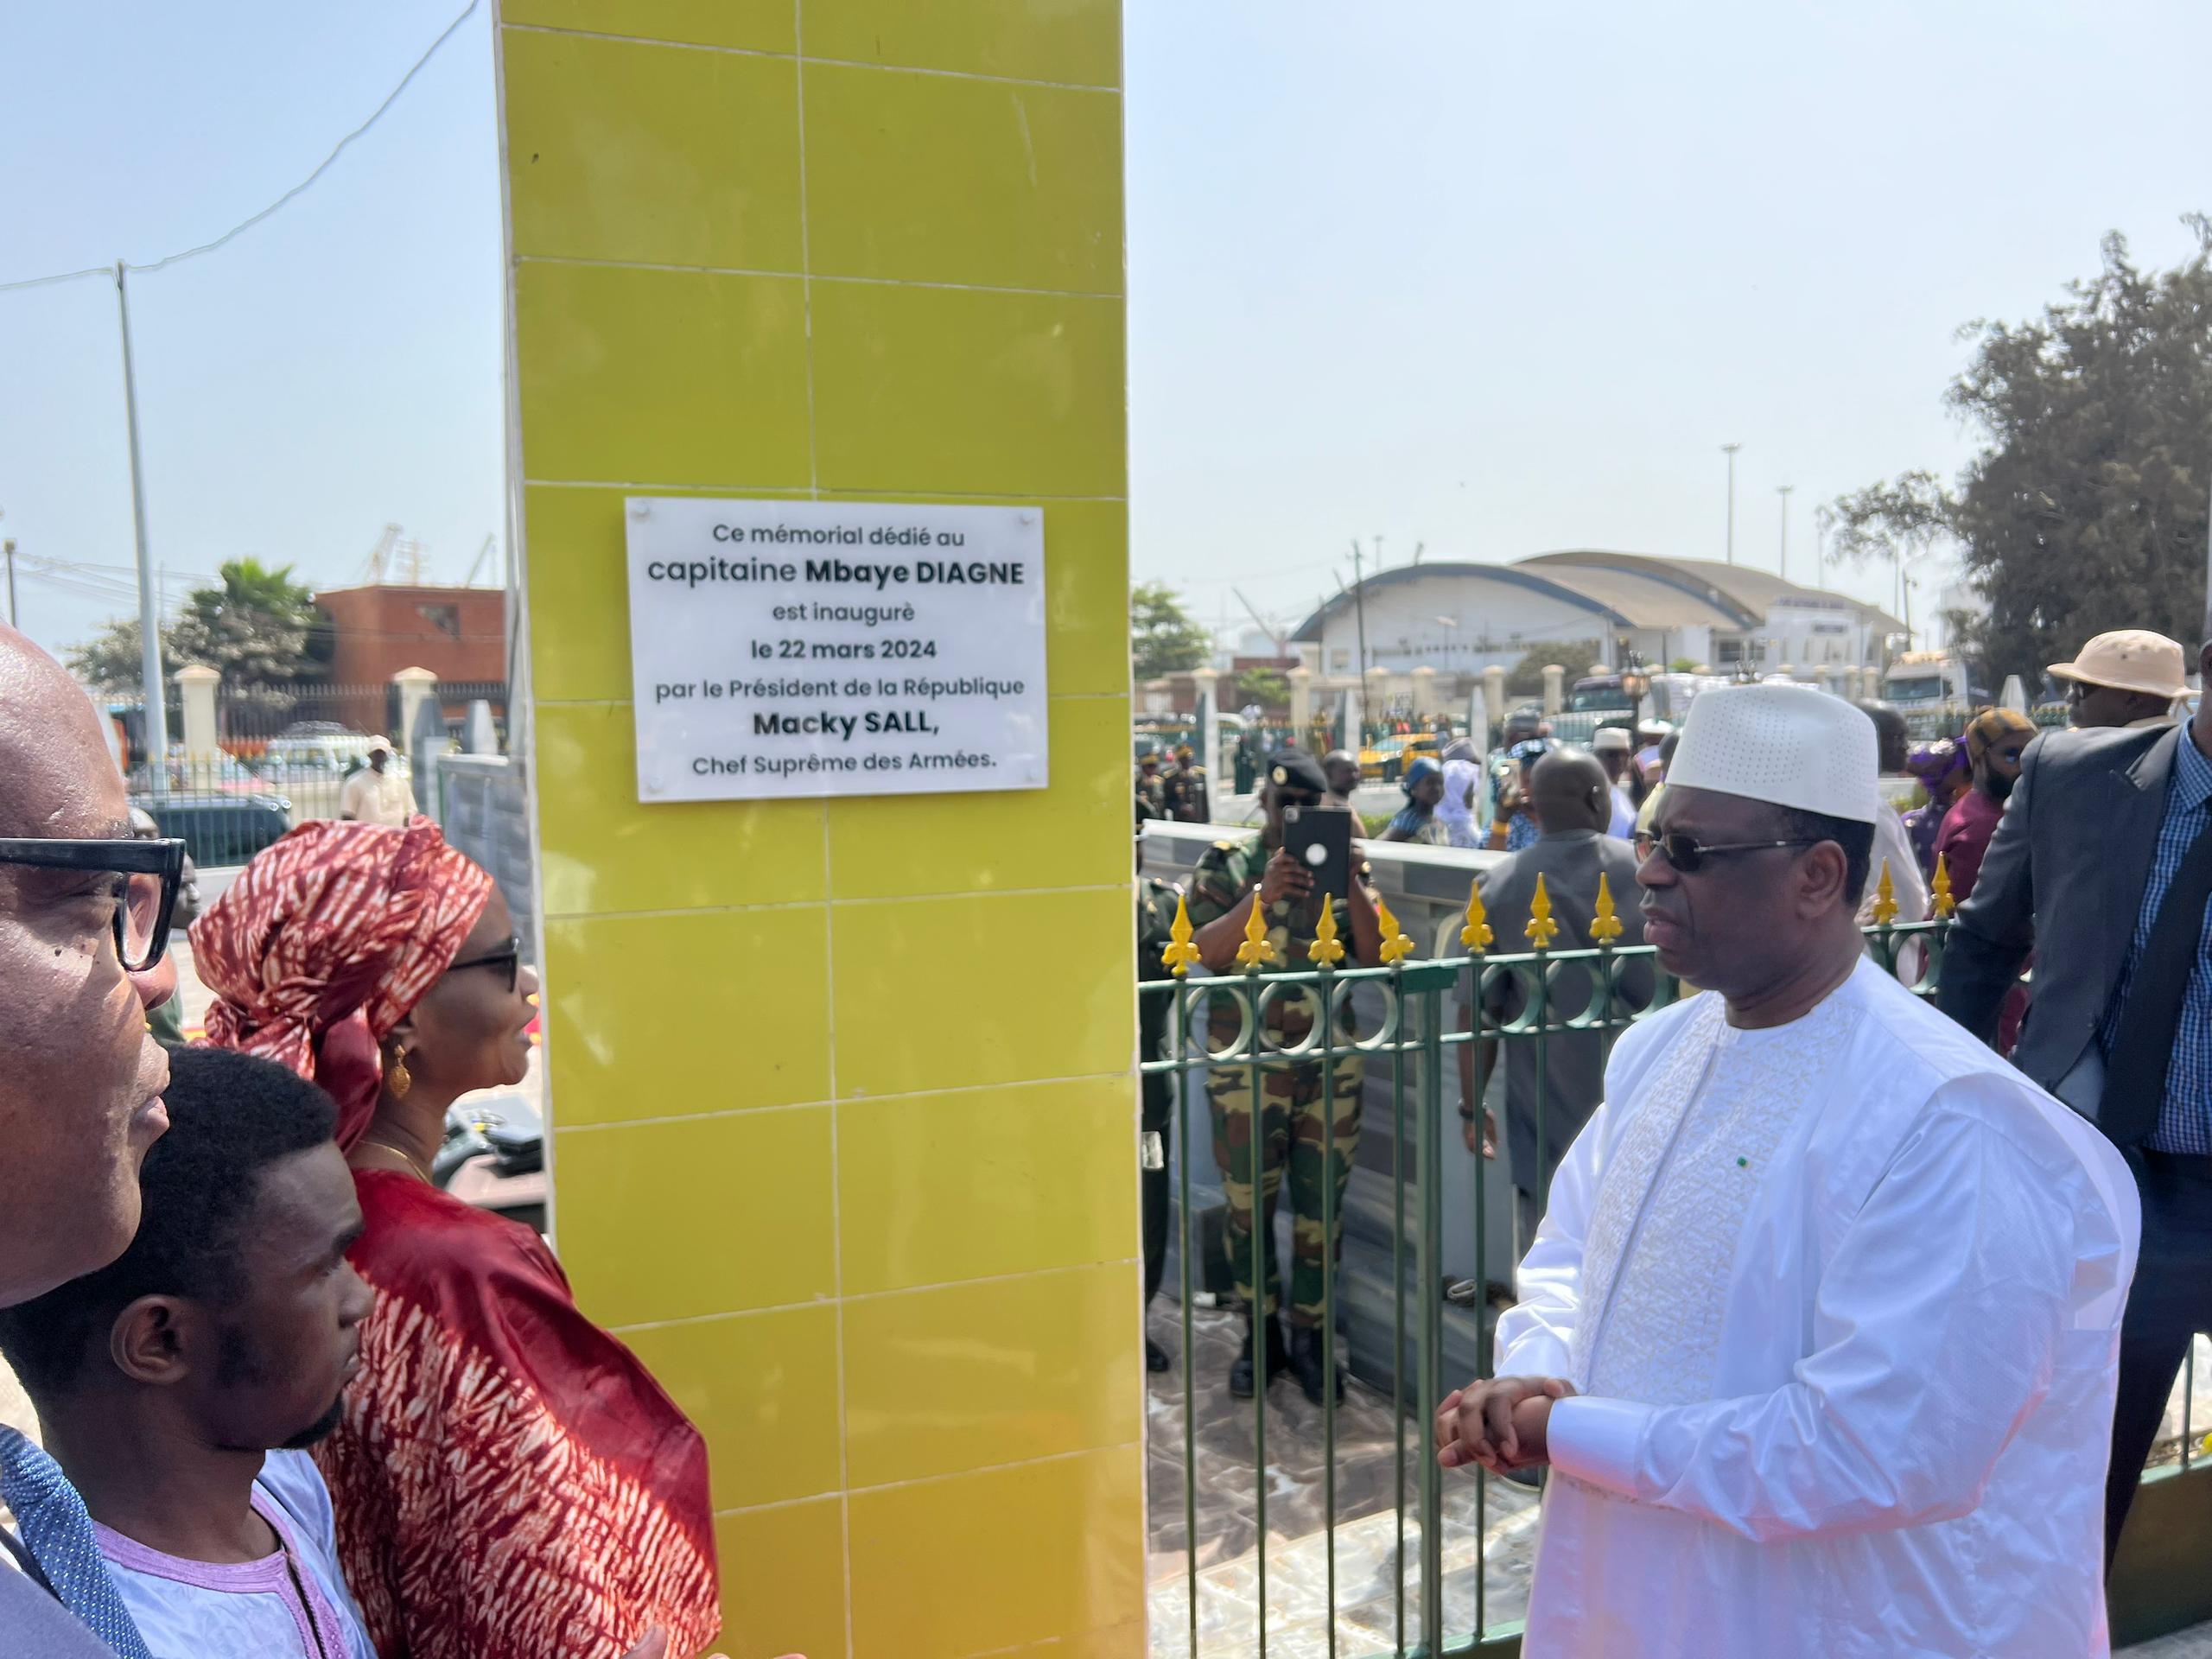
x=844, y=1123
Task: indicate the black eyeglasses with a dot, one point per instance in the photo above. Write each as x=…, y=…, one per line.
x=1687, y=853
x=508, y=956
x=151, y=871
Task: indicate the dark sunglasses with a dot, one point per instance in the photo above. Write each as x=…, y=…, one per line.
x=508, y=956
x=1687, y=853
x=150, y=871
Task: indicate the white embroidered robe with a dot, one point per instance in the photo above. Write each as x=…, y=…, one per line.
x=1842, y=1299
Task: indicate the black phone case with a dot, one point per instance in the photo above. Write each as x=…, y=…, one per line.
x=1329, y=829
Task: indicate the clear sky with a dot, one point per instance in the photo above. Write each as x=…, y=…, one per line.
x=1493, y=279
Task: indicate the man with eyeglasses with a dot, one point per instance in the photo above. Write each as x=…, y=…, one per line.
x=1822, y=1321
x=83, y=927
x=2103, y=864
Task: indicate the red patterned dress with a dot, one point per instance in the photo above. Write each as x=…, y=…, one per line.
x=509, y=1482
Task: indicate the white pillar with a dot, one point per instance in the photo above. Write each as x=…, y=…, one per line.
x=1424, y=678
x=1206, y=682
x=1301, y=698
x=202, y=737
x=1378, y=693
x=1554, y=688
x=416, y=684
x=1494, y=693
x=1347, y=719
x=1824, y=677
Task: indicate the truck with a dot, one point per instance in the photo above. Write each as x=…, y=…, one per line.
x=1938, y=685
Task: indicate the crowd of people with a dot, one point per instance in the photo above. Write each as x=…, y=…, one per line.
x=1851, y=1334
x=293, y=1398
x=1851, y=1324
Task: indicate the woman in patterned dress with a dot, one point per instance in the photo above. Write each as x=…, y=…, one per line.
x=509, y=1482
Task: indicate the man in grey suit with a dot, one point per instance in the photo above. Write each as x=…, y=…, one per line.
x=1573, y=800
x=2103, y=863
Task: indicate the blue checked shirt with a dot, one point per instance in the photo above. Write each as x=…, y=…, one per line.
x=2186, y=1118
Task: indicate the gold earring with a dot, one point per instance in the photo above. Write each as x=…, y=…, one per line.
x=397, y=1079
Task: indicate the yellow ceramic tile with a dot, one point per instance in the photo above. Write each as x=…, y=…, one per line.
x=580, y=591
x=942, y=179
x=759, y=25
x=763, y=1389
x=959, y=390
x=659, y=377
x=1122, y=1641
x=913, y=1011
x=890, y=846
x=1086, y=590
x=964, y=1376
x=666, y=1016
x=1076, y=41
x=653, y=155
x=935, y=1188
x=783, y=1580
x=977, y=1562
x=601, y=851
x=717, y=1215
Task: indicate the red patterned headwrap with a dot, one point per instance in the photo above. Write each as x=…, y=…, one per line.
x=324, y=943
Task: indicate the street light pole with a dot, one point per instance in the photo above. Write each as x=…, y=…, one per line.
x=1359, y=607
x=150, y=629
x=1730, y=449
x=1783, y=490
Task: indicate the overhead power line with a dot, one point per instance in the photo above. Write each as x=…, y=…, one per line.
x=248, y=223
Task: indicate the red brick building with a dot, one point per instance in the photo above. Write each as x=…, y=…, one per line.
x=459, y=633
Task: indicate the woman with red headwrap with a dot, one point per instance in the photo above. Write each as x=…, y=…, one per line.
x=509, y=1482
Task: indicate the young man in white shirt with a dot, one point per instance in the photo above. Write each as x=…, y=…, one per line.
x=180, y=1386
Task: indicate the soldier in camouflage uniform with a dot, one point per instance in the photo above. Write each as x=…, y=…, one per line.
x=1186, y=788
x=1151, y=789
x=1274, y=1114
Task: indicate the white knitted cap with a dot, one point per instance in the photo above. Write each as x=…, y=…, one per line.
x=1788, y=744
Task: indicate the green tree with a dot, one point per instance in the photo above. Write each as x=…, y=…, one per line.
x=1268, y=687
x=1526, y=679
x=2086, y=508
x=254, y=628
x=109, y=661
x=1163, y=637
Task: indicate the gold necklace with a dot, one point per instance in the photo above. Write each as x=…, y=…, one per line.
x=403, y=1154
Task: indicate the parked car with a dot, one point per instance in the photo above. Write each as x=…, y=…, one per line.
x=219, y=829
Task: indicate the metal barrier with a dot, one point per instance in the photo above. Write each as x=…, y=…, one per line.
x=1403, y=1020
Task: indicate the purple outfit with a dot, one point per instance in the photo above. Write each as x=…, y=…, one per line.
x=291, y=1602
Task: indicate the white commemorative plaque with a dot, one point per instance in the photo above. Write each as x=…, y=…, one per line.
x=784, y=649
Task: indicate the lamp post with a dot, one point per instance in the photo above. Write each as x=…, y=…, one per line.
x=1783, y=490
x=1634, y=682
x=1729, y=450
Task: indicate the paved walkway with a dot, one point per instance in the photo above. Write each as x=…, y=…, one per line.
x=1489, y=1541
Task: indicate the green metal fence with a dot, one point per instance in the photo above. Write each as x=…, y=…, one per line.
x=1406, y=1019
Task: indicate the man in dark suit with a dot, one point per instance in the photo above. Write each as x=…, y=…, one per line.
x=2103, y=863
x=1573, y=800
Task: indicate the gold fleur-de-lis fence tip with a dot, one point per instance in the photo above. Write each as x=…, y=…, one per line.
x=1256, y=952
x=1942, y=901
x=1475, y=935
x=1180, y=952
x=1605, y=926
x=1885, y=898
x=1542, y=929
x=1397, y=946
x=1327, y=949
